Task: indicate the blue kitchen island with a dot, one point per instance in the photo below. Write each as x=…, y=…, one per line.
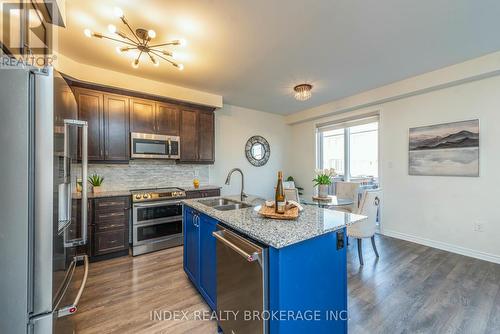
x=303, y=264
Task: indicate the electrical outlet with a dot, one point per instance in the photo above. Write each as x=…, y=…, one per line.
x=478, y=227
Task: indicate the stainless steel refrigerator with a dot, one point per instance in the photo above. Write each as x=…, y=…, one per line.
x=43, y=224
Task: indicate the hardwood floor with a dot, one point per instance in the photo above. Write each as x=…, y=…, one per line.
x=418, y=289
x=410, y=289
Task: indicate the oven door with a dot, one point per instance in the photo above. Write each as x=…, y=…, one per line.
x=157, y=231
x=144, y=213
x=149, y=146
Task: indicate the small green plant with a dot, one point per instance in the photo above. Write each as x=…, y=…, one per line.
x=96, y=180
x=324, y=176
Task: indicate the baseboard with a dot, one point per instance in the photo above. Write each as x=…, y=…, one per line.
x=443, y=245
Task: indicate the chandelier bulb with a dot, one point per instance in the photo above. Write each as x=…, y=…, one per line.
x=112, y=28
x=151, y=33
x=118, y=12
x=87, y=33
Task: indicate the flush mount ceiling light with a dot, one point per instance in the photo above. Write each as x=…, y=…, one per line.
x=302, y=92
x=139, y=41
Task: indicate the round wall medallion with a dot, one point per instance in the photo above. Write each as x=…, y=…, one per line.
x=257, y=151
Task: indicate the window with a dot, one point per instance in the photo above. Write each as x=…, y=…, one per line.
x=363, y=150
x=351, y=147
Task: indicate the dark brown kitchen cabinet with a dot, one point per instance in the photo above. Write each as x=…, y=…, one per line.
x=90, y=109
x=116, y=128
x=206, y=138
x=197, y=132
x=107, y=116
x=167, y=119
x=113, y=113
x=142, y=116
x=110, y=226
x=189, y=135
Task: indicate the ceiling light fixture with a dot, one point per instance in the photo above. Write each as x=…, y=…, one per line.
x=139, y=41
x=302, y=92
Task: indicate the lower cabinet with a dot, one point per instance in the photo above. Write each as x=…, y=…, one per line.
x=109, y=227
x=199, y=253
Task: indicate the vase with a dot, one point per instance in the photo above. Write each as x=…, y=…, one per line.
x=96, y=190
x=323, y=190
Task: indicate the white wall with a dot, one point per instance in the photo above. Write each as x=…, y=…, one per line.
x=234, y=126
x=437, y=211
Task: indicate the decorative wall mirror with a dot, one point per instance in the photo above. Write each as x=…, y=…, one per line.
x=257, y=151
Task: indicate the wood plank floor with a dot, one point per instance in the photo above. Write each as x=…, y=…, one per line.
x=410, y=289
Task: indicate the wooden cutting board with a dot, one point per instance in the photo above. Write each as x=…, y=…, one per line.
x=290, y=214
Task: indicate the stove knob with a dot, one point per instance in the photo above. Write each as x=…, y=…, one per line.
x=137, y=196
x=146, y=196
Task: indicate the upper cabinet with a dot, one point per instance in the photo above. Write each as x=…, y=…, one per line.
x=116, y=128
x=90, y=109
x=167, y=119
x=142, y=116
x=197, y=132
x=111, y=117
x=107, y=116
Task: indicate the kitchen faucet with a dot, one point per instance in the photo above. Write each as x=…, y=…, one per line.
x=228, y=180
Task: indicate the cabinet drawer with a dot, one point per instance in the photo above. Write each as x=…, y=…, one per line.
x=111, y=225
x=111, y=217
x=111, y=204
x=110, y=241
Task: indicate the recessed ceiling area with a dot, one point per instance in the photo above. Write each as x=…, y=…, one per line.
x=254, y=52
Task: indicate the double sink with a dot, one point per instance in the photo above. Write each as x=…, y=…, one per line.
x=223, y=204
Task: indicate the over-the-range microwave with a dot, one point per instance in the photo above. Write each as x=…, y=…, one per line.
x=153, y=146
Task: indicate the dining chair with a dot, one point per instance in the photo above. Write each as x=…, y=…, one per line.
x=366, y=228
x=292, y=194
x=348, y=190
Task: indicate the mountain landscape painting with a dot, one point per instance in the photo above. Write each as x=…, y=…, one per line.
x=450, y=149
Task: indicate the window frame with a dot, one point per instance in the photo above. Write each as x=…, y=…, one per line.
x=346, y=125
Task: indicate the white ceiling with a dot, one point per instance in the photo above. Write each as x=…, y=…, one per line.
x=253, y=52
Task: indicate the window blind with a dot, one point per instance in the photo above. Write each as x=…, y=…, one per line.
x=347, y=122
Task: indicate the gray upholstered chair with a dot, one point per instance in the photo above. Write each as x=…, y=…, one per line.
x=370, y=203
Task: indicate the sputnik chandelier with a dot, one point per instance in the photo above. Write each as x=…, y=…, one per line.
x=140, y=41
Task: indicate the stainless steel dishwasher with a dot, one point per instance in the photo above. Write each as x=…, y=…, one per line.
x=242, y=284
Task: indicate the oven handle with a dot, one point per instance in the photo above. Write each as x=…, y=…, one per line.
x=153, y=204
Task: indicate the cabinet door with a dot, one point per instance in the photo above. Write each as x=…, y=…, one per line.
x=206, y=142
x=167, y=119
x=189, y=135
x=191, y=244
x=142, y=116
x=90, y=110
x=208, y=271
x=116, y=128
x=110, y=241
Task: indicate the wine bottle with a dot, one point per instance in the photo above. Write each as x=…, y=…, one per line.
x=279, y=198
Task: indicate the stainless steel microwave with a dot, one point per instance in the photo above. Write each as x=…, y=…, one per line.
x=152, y=146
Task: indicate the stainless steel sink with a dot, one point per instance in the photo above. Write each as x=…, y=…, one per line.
x=234, y=206
x=223, y=204
x=214, y=202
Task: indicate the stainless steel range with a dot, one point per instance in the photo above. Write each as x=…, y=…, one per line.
x=156, y=219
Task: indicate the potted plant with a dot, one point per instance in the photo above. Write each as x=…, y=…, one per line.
x=96, y=181
x=323, y=179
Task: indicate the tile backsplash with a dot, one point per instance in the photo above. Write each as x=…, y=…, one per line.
x=146, y=174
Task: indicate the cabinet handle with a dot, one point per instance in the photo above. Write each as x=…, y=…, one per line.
x=110, y=226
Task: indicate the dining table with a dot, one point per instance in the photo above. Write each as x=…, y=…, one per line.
x=328, y=202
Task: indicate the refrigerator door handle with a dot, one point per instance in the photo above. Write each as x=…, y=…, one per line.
x=73, y=307
x=67, y=178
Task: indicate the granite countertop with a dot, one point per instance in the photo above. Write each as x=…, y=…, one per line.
x=115, y=193
x=312, y=222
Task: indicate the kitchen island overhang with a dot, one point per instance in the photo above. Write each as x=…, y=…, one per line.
x=306, y=269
